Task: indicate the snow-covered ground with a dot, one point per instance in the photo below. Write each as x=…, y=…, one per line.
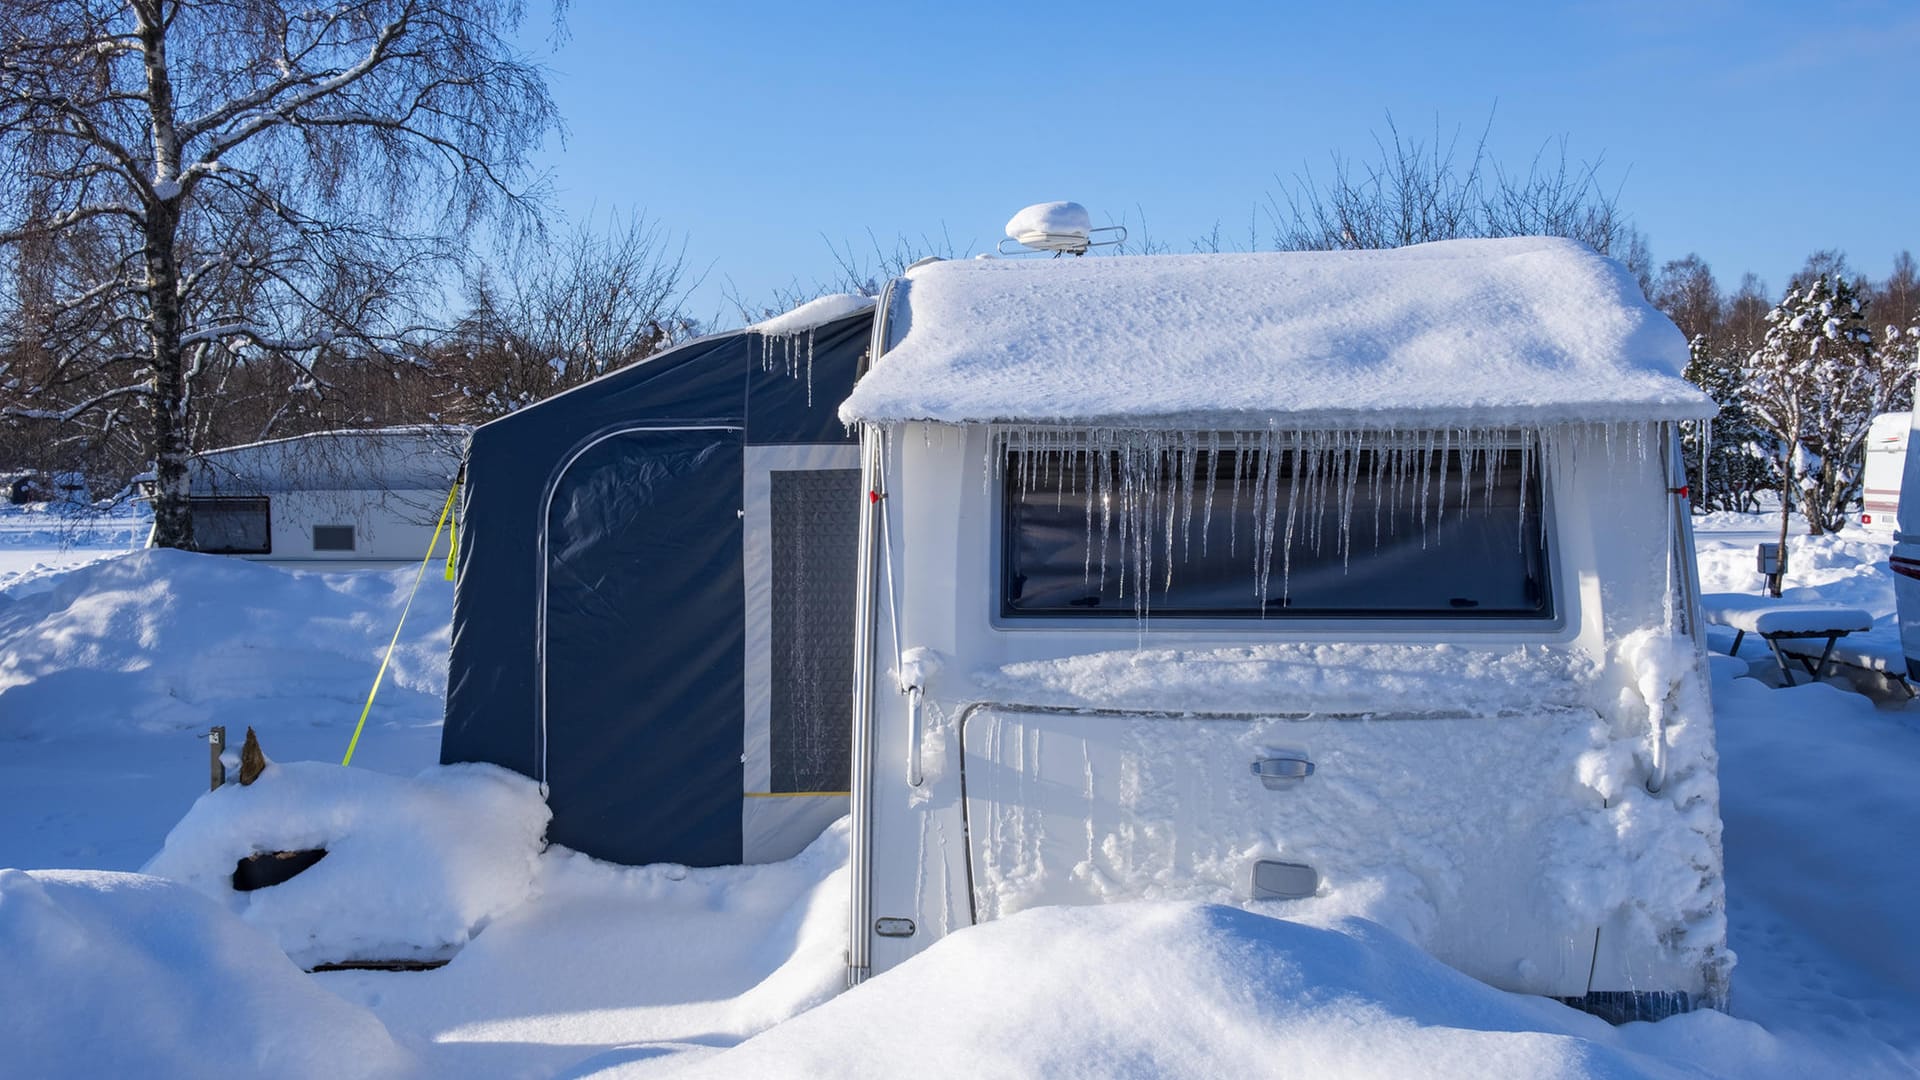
x=112, y=665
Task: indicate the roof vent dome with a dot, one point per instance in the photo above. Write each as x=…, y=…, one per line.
x=1062, y=228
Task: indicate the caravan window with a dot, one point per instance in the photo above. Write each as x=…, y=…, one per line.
x=225, y=525
x=1315, y=527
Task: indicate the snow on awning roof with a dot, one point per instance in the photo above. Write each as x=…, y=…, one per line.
x=1483, y=333
x=813, y=314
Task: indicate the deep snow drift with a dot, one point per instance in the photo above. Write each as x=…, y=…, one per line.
x=412, y=867
x=111, y=668
x=1146, y=990
x=123, y=975
x=110, y=674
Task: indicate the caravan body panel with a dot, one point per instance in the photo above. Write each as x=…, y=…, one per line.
x=1470, y=776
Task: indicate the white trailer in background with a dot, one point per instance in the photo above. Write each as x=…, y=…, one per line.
x=1886, y=460
x=363, y=497
x=1905, y=560
x=1322, y=583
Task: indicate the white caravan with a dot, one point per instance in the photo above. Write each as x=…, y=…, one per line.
x=1323, y=583
x=343, y=498
x=1886, y=460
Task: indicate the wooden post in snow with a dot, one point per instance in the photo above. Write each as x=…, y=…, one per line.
x=217, y=745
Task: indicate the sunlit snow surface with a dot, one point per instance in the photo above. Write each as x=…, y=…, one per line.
x=107, y=672
x=1480, y=333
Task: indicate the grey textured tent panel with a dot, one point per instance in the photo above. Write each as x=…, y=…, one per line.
x=600, y=621
x=816, y=519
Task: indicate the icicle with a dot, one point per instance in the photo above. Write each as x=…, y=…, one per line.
x=1143, y=483
x=1213, y=481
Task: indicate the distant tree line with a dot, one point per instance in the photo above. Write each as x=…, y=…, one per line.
x=1799, y=378
x=232, y=244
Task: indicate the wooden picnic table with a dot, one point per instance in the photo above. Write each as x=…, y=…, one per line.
x=1777, y=621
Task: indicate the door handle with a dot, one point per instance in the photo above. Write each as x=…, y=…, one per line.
x=1279, y=772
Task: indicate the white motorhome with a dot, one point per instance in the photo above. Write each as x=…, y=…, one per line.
x=1886, y=459
x=1328, y=583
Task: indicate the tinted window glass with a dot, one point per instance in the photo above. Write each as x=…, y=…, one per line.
x=231, y=526
x=1239, y=533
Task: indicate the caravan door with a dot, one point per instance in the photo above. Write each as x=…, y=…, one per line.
x=642, y=547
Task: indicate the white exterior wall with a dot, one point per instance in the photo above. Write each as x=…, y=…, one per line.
x=388, y=526
x=1611, y=558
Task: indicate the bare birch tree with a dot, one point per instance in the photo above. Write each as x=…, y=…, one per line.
x=560, y=311
x=240, y=182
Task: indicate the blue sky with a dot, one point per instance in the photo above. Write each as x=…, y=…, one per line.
x=1750, y=132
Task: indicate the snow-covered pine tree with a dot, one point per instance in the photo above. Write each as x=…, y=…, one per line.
x=1896, y=309
x=1736, y=469
x=1815, y=384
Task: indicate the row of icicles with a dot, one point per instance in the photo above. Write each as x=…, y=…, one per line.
x=1150, y=493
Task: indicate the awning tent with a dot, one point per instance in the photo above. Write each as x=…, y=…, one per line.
x=654, y=608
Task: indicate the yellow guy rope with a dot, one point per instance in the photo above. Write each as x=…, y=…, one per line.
x=445, y=513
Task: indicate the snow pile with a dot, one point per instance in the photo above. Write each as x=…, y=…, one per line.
x=813, y=315
x=1170, y=990
x=1457, y=333
x=160, y=640
x=413, y=867
x=1655, y=861
x=615, y=964
x=110, y=673
x=1845, y=568
x=122, y=975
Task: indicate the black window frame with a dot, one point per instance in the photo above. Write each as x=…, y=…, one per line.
x=1548, y=615
x=199, y=505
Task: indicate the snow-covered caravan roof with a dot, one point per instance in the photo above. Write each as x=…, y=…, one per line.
x=1528, y=330
x=405, y=458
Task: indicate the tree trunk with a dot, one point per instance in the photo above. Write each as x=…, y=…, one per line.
x=168, y=426
x=1786, y=494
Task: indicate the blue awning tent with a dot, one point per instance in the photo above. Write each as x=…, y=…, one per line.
x=653, y=614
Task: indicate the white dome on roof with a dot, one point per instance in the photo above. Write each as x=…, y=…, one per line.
x=1052, y=226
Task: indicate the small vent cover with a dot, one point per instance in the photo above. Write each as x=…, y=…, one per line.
x=333, y=538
